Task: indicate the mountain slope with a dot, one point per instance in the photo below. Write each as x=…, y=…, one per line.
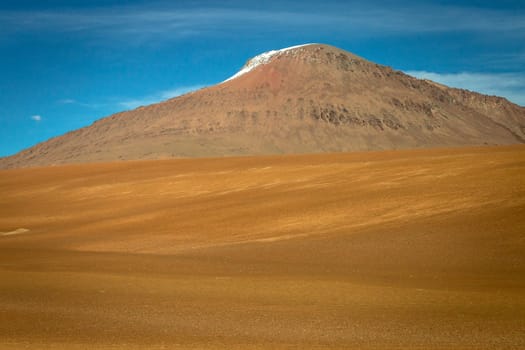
x=304, y=99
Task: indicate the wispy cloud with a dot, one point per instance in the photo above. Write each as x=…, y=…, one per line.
x=70, y=101
x=157, y=97
x=36, y=118
x=172, y=22
x=133, y=102
x=66, y=101
x=506, y=60
x=508, y=85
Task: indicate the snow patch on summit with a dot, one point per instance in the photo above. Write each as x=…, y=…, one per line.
x=262, y=59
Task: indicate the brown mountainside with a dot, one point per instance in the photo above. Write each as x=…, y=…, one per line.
x=307, y=99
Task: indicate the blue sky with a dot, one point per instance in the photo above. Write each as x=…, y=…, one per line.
x=65, y=64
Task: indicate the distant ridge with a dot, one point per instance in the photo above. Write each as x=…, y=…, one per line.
x=304, y=99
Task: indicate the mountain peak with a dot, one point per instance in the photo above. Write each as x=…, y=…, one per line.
x=300, y=55
x=264, y=58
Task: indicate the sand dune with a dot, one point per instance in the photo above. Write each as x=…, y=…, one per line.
x=416, y=249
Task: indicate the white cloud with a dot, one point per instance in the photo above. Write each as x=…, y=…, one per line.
x=508, y=85
x=158, y=96
x=36, y=118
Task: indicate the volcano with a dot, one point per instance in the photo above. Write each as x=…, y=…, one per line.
x=305, y=99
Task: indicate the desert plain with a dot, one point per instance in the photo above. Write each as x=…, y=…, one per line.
x=419, y=249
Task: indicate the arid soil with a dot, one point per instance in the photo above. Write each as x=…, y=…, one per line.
x=419, y=249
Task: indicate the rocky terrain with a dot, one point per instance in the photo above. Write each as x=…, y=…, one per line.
x=306, y=99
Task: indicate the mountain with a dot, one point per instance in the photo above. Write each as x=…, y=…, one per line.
x=304, y=99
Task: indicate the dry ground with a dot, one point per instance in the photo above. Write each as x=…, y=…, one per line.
x=405, y=249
